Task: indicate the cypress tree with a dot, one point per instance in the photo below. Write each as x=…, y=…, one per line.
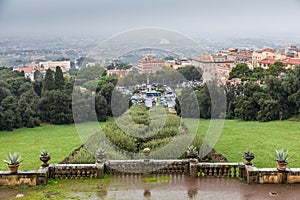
x=59, y=79
x=48, y=81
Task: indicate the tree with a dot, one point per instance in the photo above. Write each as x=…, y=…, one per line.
x=276, y=69
x=56, y=107
x=48, y=84
x=59, y=80
x=91, y=73
x=269, y=110
x=241, y=71
x=177, y=107
x=246, y=106
x=105, y=80
x=191, y=73
x=10, y=115
x=83, y=106
x=101, y=108
x=37, y=75
x=120, y=103
x=91, y=85
x=258, y=73
x=244, y=109
x=188, y=104
x=204, y=102
x=28, y=108
x=106, y=92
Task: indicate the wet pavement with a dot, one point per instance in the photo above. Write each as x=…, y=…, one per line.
x=178, y=187
x=190, y=188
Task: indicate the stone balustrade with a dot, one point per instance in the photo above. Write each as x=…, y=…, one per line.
x=151, y=166
x=226, y=170
x=76, y=171
x=154, y=167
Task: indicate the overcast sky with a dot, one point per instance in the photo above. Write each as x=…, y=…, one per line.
x=220, y=18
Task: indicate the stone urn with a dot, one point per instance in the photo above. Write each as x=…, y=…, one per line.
x=13, y=168
x=248, y=158
x=146, y=153
x=192, y=155
x=281, y=166
x=45, y=160
x=100, y=155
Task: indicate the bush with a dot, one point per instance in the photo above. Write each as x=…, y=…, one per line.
x=83, y=157
x=140, y=127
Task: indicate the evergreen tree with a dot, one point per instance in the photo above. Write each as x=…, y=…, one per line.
x=56, y=107
x=48, y=84
x=101, y=108
x=37, y=75
x=10, y=115
x=59, y=80
x=106, y=92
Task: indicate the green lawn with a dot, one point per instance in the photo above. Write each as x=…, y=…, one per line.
x=261, y=138
x=59, y=140
x=236, y=137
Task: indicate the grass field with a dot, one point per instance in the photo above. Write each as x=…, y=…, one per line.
x=59, y=140
x=261, y=138
x=236, y=137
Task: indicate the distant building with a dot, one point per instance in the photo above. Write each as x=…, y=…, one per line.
x=29, y=71
x=291, y=62
x=288, y=62
x=64, y=65
x=244, y=57
x=214, y=67
x=265, y=63
x=176, y=64
x=150, y=64
x=118, y=73
x=261, y=55
x=90, y=65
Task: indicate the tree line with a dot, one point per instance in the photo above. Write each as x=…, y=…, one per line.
x=262, y=94
x=26, y=103
x=256, y=94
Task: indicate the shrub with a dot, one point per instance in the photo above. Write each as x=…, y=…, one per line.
x=82, y=157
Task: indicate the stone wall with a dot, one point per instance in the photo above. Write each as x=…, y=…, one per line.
x=159, y=167
x=272, y=175
x=76, y=171
x=225, y=170
x=29, y=178
x=147, y=167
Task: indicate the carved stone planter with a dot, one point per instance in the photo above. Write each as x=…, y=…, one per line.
x=13, y=168
x=248, y=159
x=100, y=157
x=192, y=155
x=45, y=160
x=146, y=153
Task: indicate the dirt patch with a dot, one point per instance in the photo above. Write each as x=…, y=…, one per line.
x=7, y=193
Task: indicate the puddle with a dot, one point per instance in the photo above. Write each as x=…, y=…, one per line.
x=170, y=187
x=139, y=188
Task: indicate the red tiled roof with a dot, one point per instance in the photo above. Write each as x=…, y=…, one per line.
x=244, y=54
x=30, y=69
x=267, y=50
x=267, y=61
x=26, y=69
x=291, y=61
